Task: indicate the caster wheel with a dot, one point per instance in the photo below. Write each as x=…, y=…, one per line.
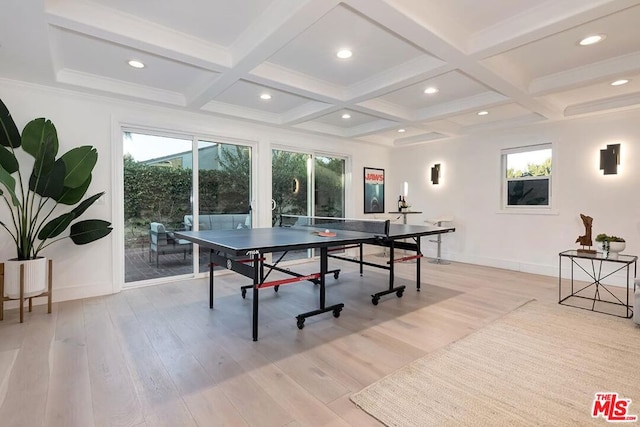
x=375, y=300
x=399, y=294
x=275, y=288
x=300, y=323
x=336, y=313
x=244, y=293
x=336, y=274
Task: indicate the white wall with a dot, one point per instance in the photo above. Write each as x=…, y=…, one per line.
x=96, y=269
x=470, y=192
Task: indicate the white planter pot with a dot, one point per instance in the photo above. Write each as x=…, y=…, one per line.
x=614, y=247
x=35, y=277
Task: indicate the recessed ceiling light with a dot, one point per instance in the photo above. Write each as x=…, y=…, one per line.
x=344, y=53
x=431, y=90
x=136, y=64
x=402, y=130
x=346, y=116
x=593, y=39
x=265, y=96
x=619, y=82
x=483, y=113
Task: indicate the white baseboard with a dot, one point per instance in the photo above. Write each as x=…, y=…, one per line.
x=616, y=279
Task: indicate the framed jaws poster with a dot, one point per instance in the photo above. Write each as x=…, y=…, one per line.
x=373, y=190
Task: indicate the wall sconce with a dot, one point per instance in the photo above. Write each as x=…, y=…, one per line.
x=435, y=173
x=610, y=159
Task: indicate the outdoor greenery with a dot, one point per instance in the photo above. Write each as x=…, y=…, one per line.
x=162, y=193
x=35, y=189
x=289, y=183
x=289, y=186
x=542, y=169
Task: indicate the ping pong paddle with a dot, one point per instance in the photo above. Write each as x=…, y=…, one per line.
x=326, y=233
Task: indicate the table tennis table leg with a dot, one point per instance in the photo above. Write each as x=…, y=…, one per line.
x=336, y=308
x=210, y=278
x=375, y=298
x=418, y=252
x=256, y=282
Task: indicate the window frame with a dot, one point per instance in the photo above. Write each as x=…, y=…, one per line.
x=504, y=198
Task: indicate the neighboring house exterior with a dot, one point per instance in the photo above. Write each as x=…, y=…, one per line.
x=208, y=158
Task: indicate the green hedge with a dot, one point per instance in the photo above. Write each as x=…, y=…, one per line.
x=162, y=194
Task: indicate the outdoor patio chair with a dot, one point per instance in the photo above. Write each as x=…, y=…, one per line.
x=163, y=242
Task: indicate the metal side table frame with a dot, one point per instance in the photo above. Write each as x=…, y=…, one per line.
x=595, y=261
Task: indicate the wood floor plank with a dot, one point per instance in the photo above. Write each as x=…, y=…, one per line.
x=211, y=407
x=257, y=407
x=114, y=397
x=7, y=360
x=69, y=393
x=27, y=389
x=161, y=401
x=351, y=414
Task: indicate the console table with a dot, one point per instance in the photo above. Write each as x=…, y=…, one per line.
x=591, y=265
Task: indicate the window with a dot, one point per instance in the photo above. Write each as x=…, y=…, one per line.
x=527, y=177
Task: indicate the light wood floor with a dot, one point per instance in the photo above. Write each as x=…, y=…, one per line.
x=157, y=356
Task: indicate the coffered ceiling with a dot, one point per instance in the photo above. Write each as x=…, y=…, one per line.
x=518, y=60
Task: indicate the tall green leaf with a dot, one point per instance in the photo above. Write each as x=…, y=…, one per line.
x=39, y=138
x=9, y=135
x=88, y=231
x=79, y=210
x=10, y=184
x=80, y=162
x=56, y=226
x=8, y=160
x=49, y=184
x=71, y=196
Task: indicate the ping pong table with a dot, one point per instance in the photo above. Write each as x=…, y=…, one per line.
x=243, y=251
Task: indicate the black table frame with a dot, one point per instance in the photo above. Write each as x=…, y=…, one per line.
x=595, y=274
x=251, y=264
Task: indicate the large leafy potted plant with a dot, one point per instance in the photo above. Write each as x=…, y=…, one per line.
x=34, y=190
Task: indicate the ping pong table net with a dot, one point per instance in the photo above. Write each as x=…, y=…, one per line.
x=370, y=226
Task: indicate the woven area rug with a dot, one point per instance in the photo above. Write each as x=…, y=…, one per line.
x=538, y=365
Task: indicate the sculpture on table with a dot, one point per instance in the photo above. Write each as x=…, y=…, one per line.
x=586, y=239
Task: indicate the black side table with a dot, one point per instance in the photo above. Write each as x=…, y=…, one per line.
x=591, y=264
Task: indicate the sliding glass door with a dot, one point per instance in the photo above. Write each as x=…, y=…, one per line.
x=159, y=199
x=290, y=178
x=306, y=184
x=329, y=175
x=224, y=188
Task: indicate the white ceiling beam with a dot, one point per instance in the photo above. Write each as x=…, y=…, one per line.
x=422, y=36
x=631, y=100
x=107, y=24
x=283, y=21
x=592, y=73
x=547, y=18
